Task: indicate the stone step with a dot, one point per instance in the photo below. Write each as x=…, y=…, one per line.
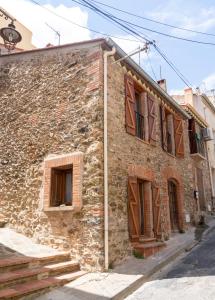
x=18, y=262
x=24, y=275
x=149, y=249
x=36, y=286
x=2, y=223
x=143, y=239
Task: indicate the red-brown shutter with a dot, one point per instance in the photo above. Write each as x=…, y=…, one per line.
x=130, y=122
x=144, y=113
x=179, y=139
x=133, y=209
x=163, y=127
x=157, y=211
x=152, y=119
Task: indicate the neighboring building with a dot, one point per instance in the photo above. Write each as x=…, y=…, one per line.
x=206, y=109
x=26, y=42
x=93, y=160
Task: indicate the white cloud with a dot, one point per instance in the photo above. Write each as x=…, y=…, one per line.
x=35, y=17
x=209, y=82
x=203, y=20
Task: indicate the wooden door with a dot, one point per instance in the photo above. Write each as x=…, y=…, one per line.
x=173, y=207
x=133, y=209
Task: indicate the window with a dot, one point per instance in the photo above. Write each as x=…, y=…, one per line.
x=61, y=186
x=140, y=112
x=63, y=182
x=196, y=139
x=139, y=118
x=171, y=132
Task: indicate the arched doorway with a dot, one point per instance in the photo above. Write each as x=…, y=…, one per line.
x=173, y=205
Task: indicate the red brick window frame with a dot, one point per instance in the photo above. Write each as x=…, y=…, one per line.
x=74, y=161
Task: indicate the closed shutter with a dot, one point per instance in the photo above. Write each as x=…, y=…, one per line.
x=130, y=122
x=133, y=209
x=157, y=211
x=163, y=127
x=179, y=139
x=152, y=119
x=144, y=113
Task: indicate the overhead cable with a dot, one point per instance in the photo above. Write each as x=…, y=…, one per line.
x=154, y=21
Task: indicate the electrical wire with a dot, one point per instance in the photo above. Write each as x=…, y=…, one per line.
x=190, y=84
x=81, y=26
x=93, y=7
x=135, y=33
x=100, y=12
x=106, y=16
x=178, y=73
x=151, y=20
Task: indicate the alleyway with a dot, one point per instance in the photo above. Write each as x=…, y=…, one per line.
x=191, y=277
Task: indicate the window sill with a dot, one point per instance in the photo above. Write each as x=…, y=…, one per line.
x=62, y=208
x=173, y=156
x=145, y=142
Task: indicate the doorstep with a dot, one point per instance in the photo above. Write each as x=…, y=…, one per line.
x=125, y=278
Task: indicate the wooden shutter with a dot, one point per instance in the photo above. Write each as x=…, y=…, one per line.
x=133, y=209
x=144, y=113
x=163, y=127
x=151, y=119
x=179, y=139
x=157, y=211
x=130, y=122
x=58, y=187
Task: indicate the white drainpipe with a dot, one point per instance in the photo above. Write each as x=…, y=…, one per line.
x=106, y=54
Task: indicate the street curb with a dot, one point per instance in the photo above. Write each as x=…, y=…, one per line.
x=146, y=277
x=207, y=231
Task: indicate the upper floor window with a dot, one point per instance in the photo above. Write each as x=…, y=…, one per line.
x=172, y=132
x=196, y=139
x=140, y=112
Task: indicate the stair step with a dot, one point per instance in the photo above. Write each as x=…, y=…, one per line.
x=37, y=285
x=149, y=245
x=149, y=249
x=147, y=240
x=25, y=275
x=18, y=262
x=2, y=224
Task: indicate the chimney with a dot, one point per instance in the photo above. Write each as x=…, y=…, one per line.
x=188, y=96
x=162, y=84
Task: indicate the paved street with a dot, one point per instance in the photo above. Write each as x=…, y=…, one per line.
x=191, y=277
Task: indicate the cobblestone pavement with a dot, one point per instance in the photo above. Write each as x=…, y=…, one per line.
x=192, y=276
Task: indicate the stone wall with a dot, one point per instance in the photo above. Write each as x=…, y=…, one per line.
x=127, y=152
x=51, y=104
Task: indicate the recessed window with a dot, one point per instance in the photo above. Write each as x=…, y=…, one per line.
x=139, y=116
x=171, y=132
x=61, y=186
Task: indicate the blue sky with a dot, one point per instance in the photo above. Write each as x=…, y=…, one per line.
x=196, y=62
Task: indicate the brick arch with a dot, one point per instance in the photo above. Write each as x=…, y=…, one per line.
x=141, y=172
x=168, y=174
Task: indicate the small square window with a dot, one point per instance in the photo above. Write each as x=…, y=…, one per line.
x=63, y=182
x=61, y=186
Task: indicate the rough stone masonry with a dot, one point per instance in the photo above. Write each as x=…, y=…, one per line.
x=51, y=104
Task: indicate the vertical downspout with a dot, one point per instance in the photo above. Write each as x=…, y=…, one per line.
x=106, y=54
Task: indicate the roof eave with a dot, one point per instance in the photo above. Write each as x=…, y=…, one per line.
x=142, y=73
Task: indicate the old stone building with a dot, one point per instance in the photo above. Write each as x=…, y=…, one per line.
x=95, y=155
